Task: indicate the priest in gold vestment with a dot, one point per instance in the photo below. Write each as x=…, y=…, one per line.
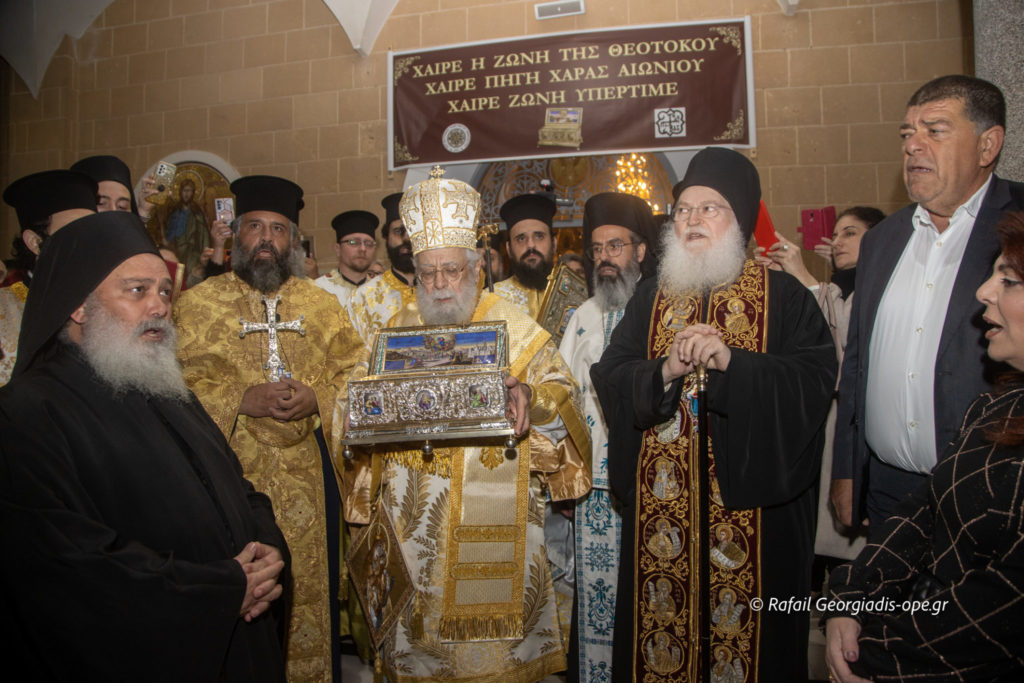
x=267, y=352
x=469, y=520
x=531, y=250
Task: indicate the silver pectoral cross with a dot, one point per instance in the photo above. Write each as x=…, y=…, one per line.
x=274, y=364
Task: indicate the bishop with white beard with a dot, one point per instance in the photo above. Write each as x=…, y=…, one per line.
x=771, y=367
x=470, y=520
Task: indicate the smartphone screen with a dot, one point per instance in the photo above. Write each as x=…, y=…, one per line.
x=225, y=208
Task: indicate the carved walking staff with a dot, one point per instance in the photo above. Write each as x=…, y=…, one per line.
x=704, y=523
x=274, y=364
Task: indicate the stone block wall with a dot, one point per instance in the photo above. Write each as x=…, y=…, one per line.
x=276, y=87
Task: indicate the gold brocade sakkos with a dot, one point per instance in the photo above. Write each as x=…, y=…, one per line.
x=470, y=525
x=281, y=459
x=667, y=612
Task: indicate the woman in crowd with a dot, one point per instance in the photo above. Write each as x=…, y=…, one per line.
x=832, y=539
x=940, y=595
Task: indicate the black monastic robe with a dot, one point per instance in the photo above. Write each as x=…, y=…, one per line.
x=766, y=418
x=120, y=517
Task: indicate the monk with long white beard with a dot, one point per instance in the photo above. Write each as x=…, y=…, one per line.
x=771, y=369
x=135, y=549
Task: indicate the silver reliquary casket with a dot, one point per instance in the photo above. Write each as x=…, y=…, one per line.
x=432, y=383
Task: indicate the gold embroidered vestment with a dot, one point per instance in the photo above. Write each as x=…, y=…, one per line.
x=470, y=525
x=667, y=609
x=281, y=459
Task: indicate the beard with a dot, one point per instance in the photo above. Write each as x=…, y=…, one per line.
x=401, y=260
x=534, y=277
x=458, y=311
x=682, y=271
x=267, y=276
x=121, y=358
x=612, y=292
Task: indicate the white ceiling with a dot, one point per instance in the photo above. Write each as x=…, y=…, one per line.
x=32, y=30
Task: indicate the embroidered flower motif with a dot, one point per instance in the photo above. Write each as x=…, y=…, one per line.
x=601, y=608
x=600, y=557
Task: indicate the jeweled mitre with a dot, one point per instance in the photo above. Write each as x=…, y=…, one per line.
x=440, y=212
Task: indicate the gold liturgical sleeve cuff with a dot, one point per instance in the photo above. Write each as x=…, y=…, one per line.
x=566, y=466
x=543, y=404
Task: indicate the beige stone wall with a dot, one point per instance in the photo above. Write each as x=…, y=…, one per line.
x=275, y=87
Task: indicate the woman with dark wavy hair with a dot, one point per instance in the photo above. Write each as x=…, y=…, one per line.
x=834, y=540
x=939, y=594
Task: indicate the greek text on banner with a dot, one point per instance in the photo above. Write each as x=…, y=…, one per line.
x=670, y=86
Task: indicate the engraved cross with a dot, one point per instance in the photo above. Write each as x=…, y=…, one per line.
x=462, y=199
x=274, y=363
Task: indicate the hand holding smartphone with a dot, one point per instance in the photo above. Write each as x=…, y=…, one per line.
x=816, y=224
x=224, y=208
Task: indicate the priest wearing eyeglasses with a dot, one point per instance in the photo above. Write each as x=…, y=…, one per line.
x=354, y=248
x=470, y=520
x=771, y=369
x=617, y=231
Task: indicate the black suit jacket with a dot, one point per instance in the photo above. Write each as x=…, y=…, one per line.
x=962, y=369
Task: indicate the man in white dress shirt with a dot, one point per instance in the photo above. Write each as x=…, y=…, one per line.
x=915, y=355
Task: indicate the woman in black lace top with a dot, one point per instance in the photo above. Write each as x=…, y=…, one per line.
x=938, y=595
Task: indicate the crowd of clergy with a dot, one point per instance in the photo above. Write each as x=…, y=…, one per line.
x=711, y=463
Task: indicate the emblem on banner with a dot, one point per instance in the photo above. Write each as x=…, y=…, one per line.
x=670, y=123
x=455, y=138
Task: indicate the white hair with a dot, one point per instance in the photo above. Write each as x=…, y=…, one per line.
x=462, y=301
x=682, y=271
x=613, y=292
x=123, y=360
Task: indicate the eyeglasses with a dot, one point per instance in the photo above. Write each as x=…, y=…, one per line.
x=681, y=213
x=613, y=248
x=449, y=271
x=369, y=244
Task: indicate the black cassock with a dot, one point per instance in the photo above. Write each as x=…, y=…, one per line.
x=120, y=517
x=766, y=416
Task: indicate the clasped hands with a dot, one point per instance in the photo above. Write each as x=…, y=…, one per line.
x=696, y=345
x=283, y=400
x=262, y=565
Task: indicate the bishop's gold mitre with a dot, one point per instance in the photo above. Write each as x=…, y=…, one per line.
x=440, y=212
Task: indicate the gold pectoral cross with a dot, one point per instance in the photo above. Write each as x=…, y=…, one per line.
x=274, y=365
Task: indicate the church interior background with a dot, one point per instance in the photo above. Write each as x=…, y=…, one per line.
x=298, y=88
